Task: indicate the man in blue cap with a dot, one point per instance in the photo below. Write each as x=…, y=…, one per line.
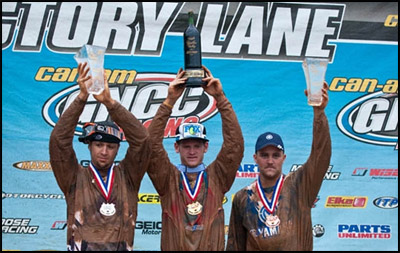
x=101, y=199
x=274, y=212
x=192, y=193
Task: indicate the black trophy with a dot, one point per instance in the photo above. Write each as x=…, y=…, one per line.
x=192, y=47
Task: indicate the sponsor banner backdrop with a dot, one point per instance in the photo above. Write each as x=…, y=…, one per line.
x=256, y=50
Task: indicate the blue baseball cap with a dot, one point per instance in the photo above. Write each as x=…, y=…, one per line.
x=269, y=138
x=191, y=131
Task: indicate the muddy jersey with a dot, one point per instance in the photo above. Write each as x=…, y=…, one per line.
x=197, y=224
x=88, y=228
x=288, y=227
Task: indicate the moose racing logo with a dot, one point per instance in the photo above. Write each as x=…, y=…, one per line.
x=141, y=97
x=371, y=119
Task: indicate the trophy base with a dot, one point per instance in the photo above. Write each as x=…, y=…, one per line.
x=194, y=77
x=194, y=82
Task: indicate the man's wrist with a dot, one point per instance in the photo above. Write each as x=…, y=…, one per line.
x=83, y=96
x=168, y=102
x=220, y=97
x=168, y=105
x=109, y=103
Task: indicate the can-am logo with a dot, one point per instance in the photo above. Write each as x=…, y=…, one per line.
x=371, y=119
x=142, y=97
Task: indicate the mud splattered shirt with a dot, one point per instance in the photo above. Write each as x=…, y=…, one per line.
x=183, y=229
x=88, y=229
x=289, y=227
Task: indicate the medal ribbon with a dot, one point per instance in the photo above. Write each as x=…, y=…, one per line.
x=104, y=187
x=192, y=193
x=270, y=206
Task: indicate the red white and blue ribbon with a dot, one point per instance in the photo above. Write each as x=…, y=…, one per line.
x=104, y=187
x=196, y=189
x=270, y=205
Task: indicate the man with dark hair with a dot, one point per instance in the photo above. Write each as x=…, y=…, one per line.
x=101, y=199
x=192, y=193
x=274, y=212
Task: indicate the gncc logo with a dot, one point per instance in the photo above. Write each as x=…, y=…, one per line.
x=371, y=119
x=143, y=98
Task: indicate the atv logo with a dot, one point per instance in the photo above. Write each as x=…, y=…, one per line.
x=371, y=119
x=141, y=97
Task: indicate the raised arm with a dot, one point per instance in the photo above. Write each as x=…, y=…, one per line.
x=321, y=150
x=231, y=153
x=137, y=158
x=158, y=169
x=62, y=156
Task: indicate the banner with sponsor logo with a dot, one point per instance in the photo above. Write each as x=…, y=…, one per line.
x=256, y=50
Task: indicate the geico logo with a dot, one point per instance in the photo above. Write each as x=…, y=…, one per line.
x=363, y=85
x=148, y=225
x=149, y=198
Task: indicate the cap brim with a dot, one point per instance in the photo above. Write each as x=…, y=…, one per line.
x=198, y=138
x=278, y=146
x=99, y=137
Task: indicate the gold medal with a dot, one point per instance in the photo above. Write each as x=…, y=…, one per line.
x=107, y=209
x=195, y=208
x=272, y=221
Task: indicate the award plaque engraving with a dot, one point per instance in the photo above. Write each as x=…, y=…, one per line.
x=192, y=51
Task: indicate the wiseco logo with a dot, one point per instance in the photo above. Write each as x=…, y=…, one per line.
x=142, y=97
x=346, y=202
x=382, y=173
